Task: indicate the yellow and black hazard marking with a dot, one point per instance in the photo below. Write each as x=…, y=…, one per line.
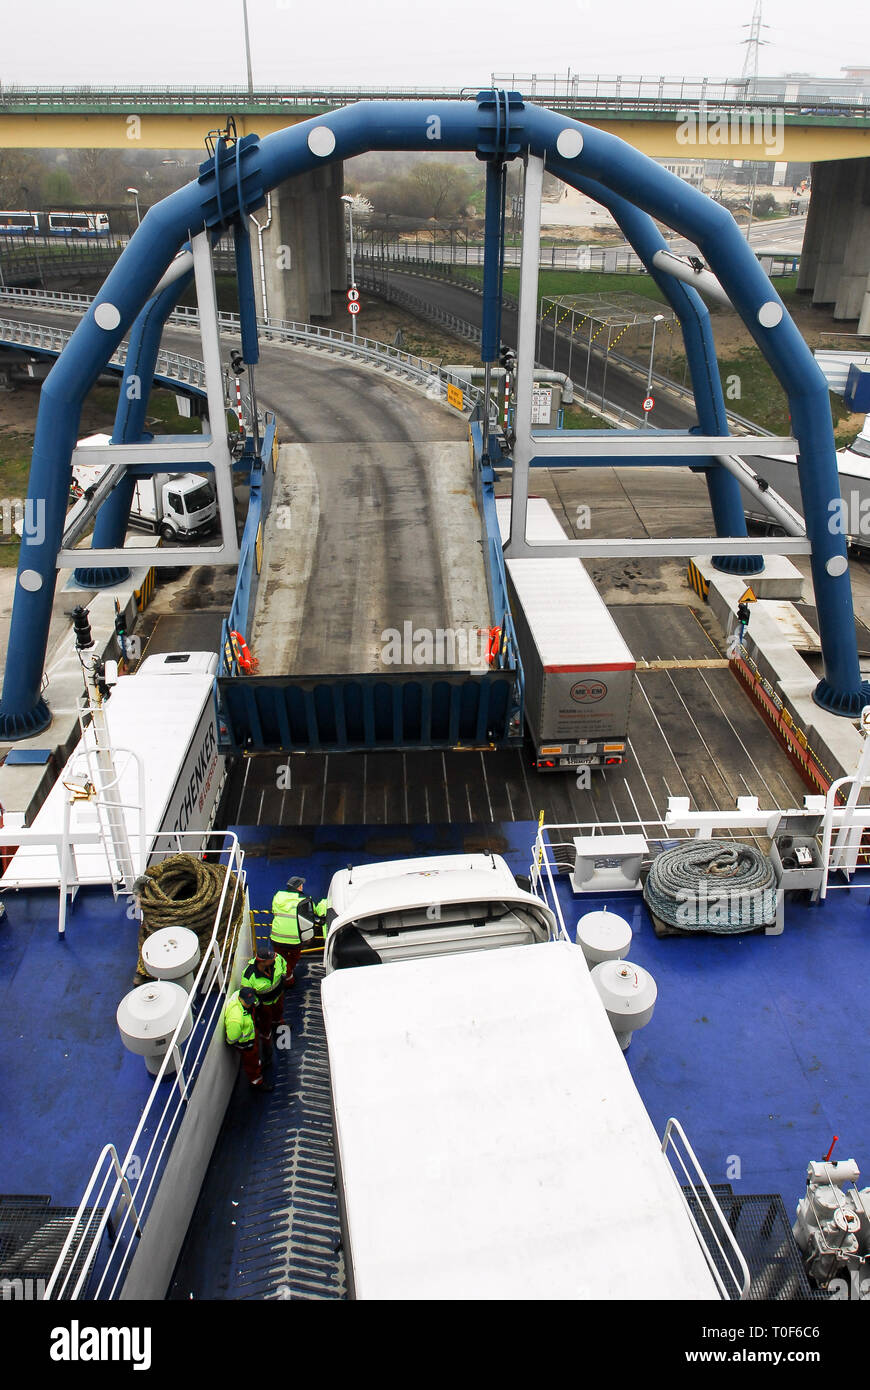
x=145, y=593
x=697, y=581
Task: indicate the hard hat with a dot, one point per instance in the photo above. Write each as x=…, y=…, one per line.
x=296, y=882
x=248, y=995
x=265, y=951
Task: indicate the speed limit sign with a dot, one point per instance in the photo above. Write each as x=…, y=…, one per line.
x=648, y=403
x=353, y=307
x=353, y=295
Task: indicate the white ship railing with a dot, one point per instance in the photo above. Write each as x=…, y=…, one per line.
x=131, y=1183
x=735, y=1281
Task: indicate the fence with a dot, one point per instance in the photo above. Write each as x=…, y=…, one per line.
x=604, y=260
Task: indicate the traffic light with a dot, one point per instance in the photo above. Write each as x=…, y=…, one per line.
x=507, y=357
x=120, y=624
x=82, y=628
x=237, y=363
x=743, y=612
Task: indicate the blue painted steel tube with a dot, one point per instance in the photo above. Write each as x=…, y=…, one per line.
x=113, y=516
x=247, y=301
x=694, y=318
x=239, y=183
x=493, y=262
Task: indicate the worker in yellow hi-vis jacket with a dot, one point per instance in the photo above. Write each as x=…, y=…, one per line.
x=290, y=927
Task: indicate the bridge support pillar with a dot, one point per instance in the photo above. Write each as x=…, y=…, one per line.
x=835, y=261
x=302, y=248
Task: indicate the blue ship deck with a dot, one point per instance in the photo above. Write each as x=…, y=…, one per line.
x=757, y=1044
x=69, y=1086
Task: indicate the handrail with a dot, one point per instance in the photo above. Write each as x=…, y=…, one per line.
x=741, y=1280
x=190, y=371
x=122, y=1179
x=215, y=963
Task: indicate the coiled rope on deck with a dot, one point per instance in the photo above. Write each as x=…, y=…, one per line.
x=712, y=886
x=184, y=891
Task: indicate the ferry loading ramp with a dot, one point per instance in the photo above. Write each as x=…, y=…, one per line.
x=372, y=593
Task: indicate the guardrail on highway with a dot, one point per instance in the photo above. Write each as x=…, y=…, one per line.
x=568, y=92
x=189, y=372
x=172, y=367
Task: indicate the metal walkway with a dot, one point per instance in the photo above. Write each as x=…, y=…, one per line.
x=276, y=1235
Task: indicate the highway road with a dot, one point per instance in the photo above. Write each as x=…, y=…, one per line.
x=622, y=389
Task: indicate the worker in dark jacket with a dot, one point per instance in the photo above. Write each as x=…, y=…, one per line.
x=241, y=1034
x=287, y=935
x=266, y=975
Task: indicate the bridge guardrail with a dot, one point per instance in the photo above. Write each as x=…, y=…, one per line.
x=567, y=92
x=189, y=371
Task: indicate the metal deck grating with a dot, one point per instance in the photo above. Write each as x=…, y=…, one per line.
x=32, y=1233
x=291, y=1247
x=760, y=1225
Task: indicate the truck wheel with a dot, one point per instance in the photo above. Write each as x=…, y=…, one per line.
x=167, y=532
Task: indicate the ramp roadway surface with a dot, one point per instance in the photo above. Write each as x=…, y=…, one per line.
x=362, y=539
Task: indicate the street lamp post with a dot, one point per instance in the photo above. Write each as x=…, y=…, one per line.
x=248, y=47
x=135, y=193
x=657, y=319
x=348, y=202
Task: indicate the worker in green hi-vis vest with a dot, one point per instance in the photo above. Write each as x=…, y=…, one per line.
x=294, y=918
x=241, y=1034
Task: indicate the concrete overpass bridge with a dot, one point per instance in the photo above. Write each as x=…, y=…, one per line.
x=669, y=119
x=299, y=244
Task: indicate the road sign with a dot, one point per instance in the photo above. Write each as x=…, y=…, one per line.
x=352, y=295
x=454, y=397
x=353, y=307
x=648, y=404
x=748, y=597
x=542, y=405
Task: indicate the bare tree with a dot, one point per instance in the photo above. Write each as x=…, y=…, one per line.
x=442, y=189
x=100, y=176
x=20, y=180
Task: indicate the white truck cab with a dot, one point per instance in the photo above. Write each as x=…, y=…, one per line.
x=445, y=904
x=176, y=506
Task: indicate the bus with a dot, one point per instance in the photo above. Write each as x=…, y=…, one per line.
x=78, y=224
x=19, y=223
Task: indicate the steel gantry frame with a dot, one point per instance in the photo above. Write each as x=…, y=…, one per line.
x=498, y=126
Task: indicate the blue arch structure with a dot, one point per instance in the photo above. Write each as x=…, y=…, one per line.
x=498, y=126
x=137, y=377
x=694, y=319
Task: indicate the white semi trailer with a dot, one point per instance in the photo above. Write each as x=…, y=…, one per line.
x=490, y=1141
x=849, y=515
x=577, y=669
x=165, y=711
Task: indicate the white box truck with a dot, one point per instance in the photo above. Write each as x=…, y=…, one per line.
x=577, y=669
x=166, y=712
x=490, y=1142
x=176, y=506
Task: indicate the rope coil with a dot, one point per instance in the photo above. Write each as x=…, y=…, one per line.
x=184, y=891
x=712, y=886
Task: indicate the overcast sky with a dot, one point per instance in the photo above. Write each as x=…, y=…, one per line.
x=413, y=43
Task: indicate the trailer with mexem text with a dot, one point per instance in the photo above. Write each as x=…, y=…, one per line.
x=578, y=670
